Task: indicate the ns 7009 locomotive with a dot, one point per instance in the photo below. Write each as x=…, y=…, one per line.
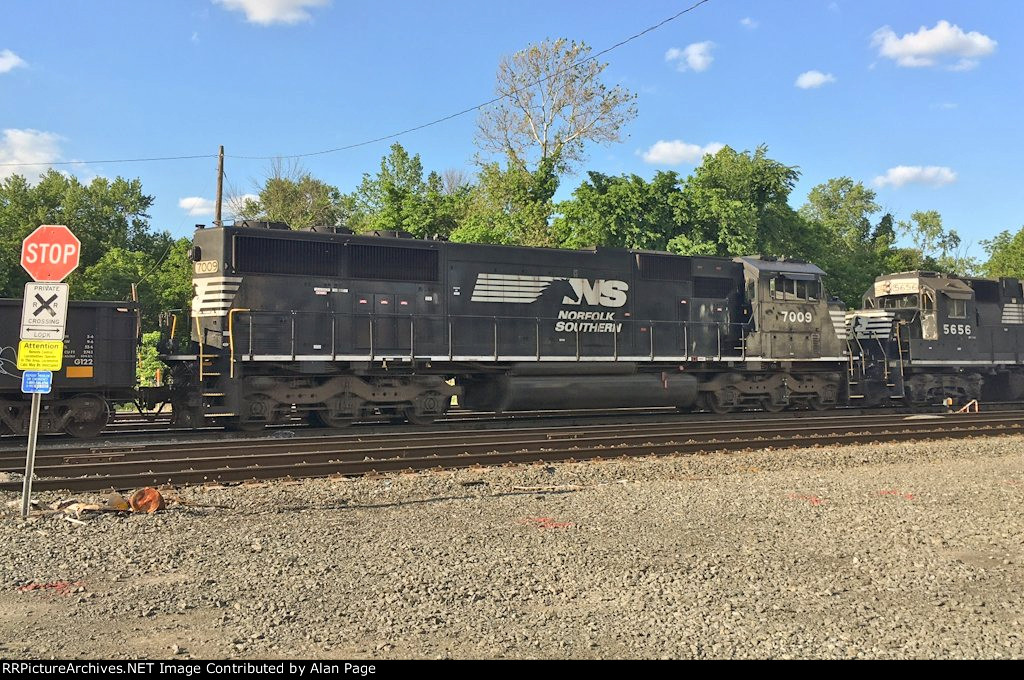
x=337, y=326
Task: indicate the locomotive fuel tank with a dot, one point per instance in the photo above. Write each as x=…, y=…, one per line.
x=540, y=392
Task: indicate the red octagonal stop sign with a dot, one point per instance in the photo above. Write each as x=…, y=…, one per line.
x=50, y=252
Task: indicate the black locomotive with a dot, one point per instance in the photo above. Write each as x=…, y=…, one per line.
x=923, y=337
x=338, y=326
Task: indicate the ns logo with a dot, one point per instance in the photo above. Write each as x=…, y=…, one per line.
x=606, y=293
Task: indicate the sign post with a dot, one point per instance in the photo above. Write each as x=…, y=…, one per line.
x=48, y=254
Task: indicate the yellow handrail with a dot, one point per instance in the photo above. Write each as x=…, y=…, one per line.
x=200, y=332
x=231, y=338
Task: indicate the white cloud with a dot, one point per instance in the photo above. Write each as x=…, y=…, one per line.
x=747, y=22
x=677, y=151
x=931, y=175
x=928, y=46
x=267, y=12
x=811, y=79
x=10, y=61
x=197, y=206
x=693, y=57
x=27, y=146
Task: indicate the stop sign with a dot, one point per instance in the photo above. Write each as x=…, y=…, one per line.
x=50, y=252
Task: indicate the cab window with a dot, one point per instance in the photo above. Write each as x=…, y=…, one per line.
x=782, y=288
x=958, y=309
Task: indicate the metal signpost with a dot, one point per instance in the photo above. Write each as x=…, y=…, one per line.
x=48, y=254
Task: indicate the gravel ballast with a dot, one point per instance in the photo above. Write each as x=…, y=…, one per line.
x=891, y=551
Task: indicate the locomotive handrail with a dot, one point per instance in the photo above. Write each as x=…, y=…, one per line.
x=231, y=339
x=609, y=345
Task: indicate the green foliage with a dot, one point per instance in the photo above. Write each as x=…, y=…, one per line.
x=736, y=203
x=510, y=206
x=852, y=250
x=148, y=363
x=399, y=198
x=938, y=249
x=619, y=212
x=295, y=197
x=1005, y=254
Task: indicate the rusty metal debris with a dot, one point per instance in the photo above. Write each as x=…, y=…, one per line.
x=146, y=500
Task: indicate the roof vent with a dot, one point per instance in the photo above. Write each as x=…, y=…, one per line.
x=388, y=233
x=257, y=224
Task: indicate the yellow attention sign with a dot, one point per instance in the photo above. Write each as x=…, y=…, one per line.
x=40, y=355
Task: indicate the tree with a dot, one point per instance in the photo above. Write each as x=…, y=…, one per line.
x=399, y=198
x=852, y=250
x=939, y=249
x=1005, y=254
x=737, y=204
x=292, y=195
x=551, y=105
x=510, y=206
x=619, y=212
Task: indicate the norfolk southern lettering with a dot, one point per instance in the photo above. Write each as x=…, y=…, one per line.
x=587, y=322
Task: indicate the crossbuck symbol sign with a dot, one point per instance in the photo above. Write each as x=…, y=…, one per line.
x=45, y=305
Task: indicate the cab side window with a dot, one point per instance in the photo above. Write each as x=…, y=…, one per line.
x=958, y=309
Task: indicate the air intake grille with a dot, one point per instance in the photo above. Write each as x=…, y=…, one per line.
x=388, y=263
x=255, y=255
x=663, y=267
x=711, y=287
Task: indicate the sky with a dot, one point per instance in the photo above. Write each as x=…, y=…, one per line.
x=922, y=100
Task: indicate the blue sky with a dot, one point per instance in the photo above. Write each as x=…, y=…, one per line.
x=922, y=100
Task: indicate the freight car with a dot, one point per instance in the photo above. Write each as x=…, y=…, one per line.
x=922, y=337
x=336, y=326
x=99, y=369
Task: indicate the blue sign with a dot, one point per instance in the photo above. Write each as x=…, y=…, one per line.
x=33, y=382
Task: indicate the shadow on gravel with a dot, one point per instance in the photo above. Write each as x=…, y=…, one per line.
x=424, y=501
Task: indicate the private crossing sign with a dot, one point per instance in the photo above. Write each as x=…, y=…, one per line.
x=45, y=311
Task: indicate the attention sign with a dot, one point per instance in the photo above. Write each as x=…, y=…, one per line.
x=40, y=355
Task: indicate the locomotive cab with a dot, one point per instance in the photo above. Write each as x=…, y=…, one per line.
x=790, y=316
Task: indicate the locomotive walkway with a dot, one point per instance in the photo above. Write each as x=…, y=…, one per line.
x=130, y=465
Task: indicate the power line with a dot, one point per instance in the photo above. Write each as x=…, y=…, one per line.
x=112, y=160
x=406, y=131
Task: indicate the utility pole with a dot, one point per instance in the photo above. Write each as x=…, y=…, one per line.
x=220, y=185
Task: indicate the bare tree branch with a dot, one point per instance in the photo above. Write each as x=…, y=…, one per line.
x=552, y=105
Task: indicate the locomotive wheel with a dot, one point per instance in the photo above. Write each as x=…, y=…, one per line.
x=341, y=410
x=771, y=407
x=91, y=417
x=426, y=409
x=713, y=403
x=816, y=403
x=260, y=411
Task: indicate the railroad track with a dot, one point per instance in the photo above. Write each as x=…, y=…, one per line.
x=122, y=466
